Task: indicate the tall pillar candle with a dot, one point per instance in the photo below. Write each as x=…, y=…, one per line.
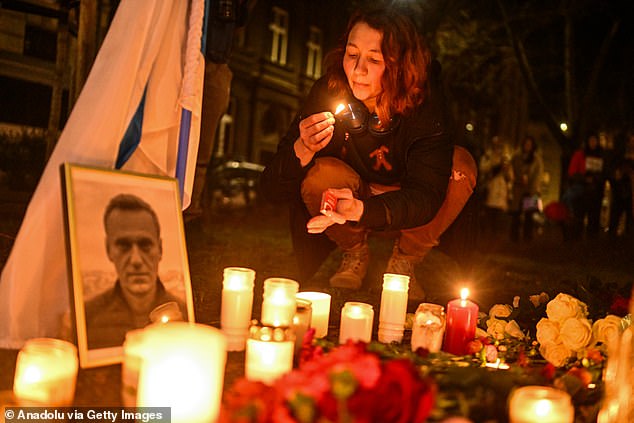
x=462, y=319
x=182, y=367
x=301, y=322
x=356, y=322
x=278, y=301
x=320, y=303
x=236, y=306
x=393, y=309
x=428, y=328
x=542, y=404
x=269, y=353
x=46, y=373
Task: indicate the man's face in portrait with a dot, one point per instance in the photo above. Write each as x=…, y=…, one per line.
x=134, y=246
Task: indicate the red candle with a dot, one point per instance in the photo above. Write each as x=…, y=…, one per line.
x=462, y=319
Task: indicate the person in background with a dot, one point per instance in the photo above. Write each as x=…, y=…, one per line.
x=620, y=173
x=134, y=246
x=527, y=168
x=496, y=176
x=389, y=158
x=586, y=175
x=226, y=17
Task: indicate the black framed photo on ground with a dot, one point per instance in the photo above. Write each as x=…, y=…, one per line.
x=127, y=257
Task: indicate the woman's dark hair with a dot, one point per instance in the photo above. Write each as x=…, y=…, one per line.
x=406, y=61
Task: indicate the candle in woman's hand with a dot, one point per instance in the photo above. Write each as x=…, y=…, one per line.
x=462, y=319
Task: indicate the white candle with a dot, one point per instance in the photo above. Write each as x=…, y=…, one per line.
x=542, y=404
x=301, y=321
x=236, y=306
x=46, y=373
x=356, y=322
x=320, y=303
x=393, y=308
x=131, y=366
x=269, y=353
x=429, y=327
x=182, y=367
x=278, y=303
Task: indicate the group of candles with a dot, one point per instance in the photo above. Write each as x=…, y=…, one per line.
x=181, y=365
x=268, y=347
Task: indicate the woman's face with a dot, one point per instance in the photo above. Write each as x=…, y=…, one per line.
x=363, y=63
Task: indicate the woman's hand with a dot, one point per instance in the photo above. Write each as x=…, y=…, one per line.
x=315, y=132
x=348, y=208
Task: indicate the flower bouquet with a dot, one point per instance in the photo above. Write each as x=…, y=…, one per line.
x=348, y=383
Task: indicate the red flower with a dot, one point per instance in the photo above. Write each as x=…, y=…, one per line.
x=249, y=401
x=620, y=306
x=582, y=374
x=402, y=395
x=548, y=371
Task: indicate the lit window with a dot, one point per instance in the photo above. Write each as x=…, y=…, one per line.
x=313, y=61
x=279, y=29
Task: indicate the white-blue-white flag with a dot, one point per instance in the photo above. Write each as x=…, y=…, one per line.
x=151, y=52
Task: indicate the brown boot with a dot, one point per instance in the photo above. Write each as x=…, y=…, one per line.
x=402, y=264
x=353, y=268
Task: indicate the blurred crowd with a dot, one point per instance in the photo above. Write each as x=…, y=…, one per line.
x=595, y=195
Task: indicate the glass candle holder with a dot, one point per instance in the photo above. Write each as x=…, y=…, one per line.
x=182, y=366
x=356, y=322
x=301, y=322
x=320, y=303
x=167, y=312
x=429, y=327
x=236, y=306
x=269, y=352
x=529, y=404
x=278, y=302
x=393, y=308
x=46, y=373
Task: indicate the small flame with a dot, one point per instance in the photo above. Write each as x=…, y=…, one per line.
x=339, y=108
x=464, y=293
x=165, y=319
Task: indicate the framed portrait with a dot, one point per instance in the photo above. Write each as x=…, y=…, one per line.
x=127, y=257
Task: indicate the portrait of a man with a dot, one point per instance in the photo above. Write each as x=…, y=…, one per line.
x=134, y=246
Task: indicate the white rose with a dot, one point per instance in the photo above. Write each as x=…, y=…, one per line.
x=607, y=330
x=576, y=333
x=547, y=331
x=555, y=353
x=480, y=333
x=500, y=311
x=513, y=329
x=563, y=307
x=495, y=328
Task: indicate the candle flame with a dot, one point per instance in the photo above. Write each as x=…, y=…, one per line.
x=543, y=407
x=339, y=108
x=165, y=318
x=464, y=293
